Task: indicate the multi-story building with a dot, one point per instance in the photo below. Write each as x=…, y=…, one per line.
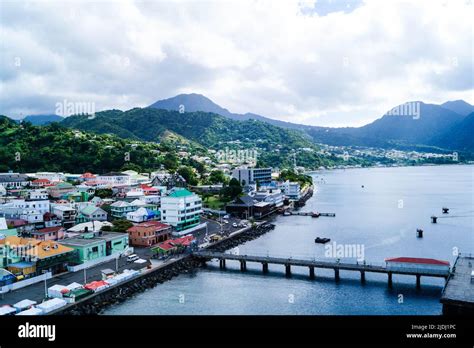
x=40, y=194
x=181, y=209
x=273, y=196
x=31, y=211
x=51, y=176
x=66, y=213
x=149, y=233
x=61, y=190
x=292, y=190
x=92, y=246
x=115, y=179
x=253, y=175
x=120, y=209
x=13, y=180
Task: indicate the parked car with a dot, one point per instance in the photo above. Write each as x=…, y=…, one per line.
x=235, y=225
x=132, y=258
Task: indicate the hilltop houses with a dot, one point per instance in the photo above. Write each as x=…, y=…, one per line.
x=13, y=180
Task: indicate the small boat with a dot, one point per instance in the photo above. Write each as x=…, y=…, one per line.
x=321, y=240
x=315, y=214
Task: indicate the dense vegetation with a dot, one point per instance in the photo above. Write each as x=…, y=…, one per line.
x=28, y=148
x=273, y=144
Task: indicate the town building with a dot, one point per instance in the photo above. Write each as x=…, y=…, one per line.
x=120, y=209
x=259, y=176
x=242, y=207
x=181, y=209
x=66, y=213
x=92, y=246
x=292, y=190
x=51, y=176
x=115, y=179
x=13, y=180
x=149, y=233
x=48, y=233
x=61, y=190
x=91, y=213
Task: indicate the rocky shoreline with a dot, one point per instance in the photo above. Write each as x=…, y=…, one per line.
x=121, y=292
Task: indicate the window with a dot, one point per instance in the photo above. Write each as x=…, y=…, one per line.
x=95, y=249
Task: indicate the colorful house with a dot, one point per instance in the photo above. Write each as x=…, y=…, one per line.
x=148, y=233
x=120, y=209
x=91, y=213
x=50, y=256
x=48, y=233
x=181, y=209
x=61, y=190
x=90, y=246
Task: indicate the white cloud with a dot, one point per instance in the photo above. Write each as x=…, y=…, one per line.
x=281, y=59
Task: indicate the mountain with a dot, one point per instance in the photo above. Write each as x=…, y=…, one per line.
x=389, y=131
x=459, y=137
x=26, y=148
x=196, y=102
x=39, y=120
x=274, y=144
x=459, y=106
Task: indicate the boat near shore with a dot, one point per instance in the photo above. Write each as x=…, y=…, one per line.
x=322, y=240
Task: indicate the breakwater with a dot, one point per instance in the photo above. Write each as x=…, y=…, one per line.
x=118, y=293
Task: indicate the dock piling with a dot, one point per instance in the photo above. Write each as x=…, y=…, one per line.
x=362, y=276
x=418, y=281
x=390, y=285
x=336, y=274
x=288, y=270
x=265, y=267
x=311, y=272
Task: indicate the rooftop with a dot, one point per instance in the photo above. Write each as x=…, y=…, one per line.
x=418, y=260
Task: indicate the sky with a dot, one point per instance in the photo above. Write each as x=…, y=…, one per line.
x=328, y=63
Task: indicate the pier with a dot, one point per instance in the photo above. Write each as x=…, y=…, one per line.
x=314, y=214
x=314, y=264
x=458, y=294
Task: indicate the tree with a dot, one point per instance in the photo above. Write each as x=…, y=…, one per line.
x=104, y=193
x=121, y=225
x=217, y=177
x=188, y=174
x=231, y=191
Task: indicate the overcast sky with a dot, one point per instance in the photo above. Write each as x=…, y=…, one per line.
x=332, y=63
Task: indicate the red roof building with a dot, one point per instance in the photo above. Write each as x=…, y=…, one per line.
x=148, y=233
x=41, y=183
x=418, y=260
x=49, y=233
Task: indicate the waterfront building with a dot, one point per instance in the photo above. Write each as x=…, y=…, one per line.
x=149, y=233
x=273, y=197
x=417, y=264
x=292, y=190
x=91, y=246
x=242, y=207
x=181, y=209
x=259, y=176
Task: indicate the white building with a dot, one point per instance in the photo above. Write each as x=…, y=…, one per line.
x=253, y=175
x=115, y=179
x=39, y=194
x=13, y=180
x=181, y=209
x=272, y=196
x=51, y=176
x=31, y=211
x=292, y=190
